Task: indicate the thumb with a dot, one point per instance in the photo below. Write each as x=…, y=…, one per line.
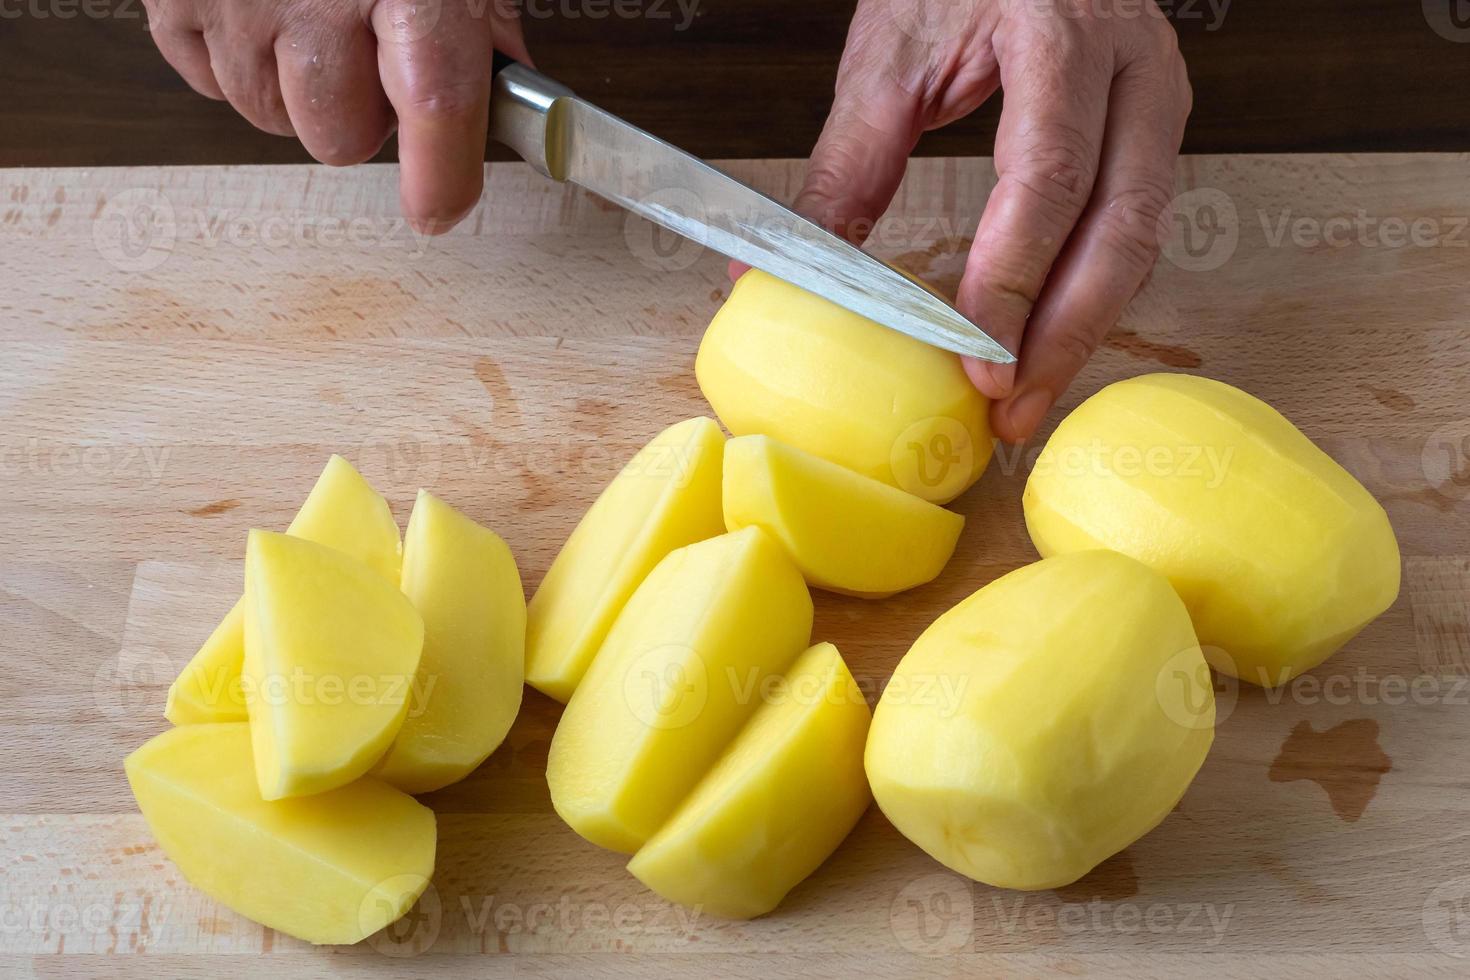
x=860, y=157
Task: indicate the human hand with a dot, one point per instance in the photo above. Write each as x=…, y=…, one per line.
x=341, y=74
x=1096, y=97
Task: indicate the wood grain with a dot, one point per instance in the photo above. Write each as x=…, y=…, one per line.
x=159, y=396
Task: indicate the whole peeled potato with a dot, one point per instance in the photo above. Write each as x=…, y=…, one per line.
x=1045, y=723
x=1279, y=553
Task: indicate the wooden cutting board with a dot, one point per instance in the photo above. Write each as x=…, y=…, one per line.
x=180, y=350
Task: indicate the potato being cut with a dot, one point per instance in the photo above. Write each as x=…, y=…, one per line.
x=782, y=362
x=462, y=579
x=1044, y=723
x=342, y=511
x=679, y=673
x=1279, y=553
x=667, y=496
x=331, y=650
x=780, y=799
x=846, y=532
x=331, y=868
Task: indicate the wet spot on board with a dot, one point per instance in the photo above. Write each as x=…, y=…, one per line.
x=215, y=509
x=1391, y=398
x=1169, y=355
x=715, y=295
x=1345, y=760
x=1112, y=881
x=597, y=415
x=1305, y=888
x=493, y=378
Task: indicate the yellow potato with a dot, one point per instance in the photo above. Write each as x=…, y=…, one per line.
x=779, y=361
x=330, y=868
x=680, y=672
x=342, y=511
x=780, y=799
x=1044, y=723
x=1279, y=554
x=462, y=579
x=667, y=496
x=846, y=532
x=330, y=655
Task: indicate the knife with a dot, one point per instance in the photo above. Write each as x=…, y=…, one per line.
x=567, y=138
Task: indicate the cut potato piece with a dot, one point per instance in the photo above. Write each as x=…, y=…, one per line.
x=679, y=673
x=462, y=579
x=1279, y=554
x=1044, y=723
x=330, y=655
x=667, y=496
x=846, y=532
x=342, y=511
x=777, y=803
x=330, y=868
x=780, y=361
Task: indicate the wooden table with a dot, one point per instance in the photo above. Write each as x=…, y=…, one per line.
x=157, y=401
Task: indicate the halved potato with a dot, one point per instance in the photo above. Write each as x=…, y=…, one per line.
x=780, y=799
x=783, y=362
x=331, y=868
x=1279, y=553
x=680, y=672
x=330, y=655
x=1044, y=723
x=342, y=511
x=463, y=581
x=667, y=496
x=846, y=532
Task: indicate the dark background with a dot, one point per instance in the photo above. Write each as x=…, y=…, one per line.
x=752, y=78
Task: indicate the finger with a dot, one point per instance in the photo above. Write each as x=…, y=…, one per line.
x=329, y=82
x=185, y=50
x=245, y=68
x=1113, y=249
x=1046, y=155
x=434, y=61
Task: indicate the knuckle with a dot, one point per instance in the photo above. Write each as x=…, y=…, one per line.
x=445, y=100
x=1075, y=348
x=1057, y=167
x=1131, y=221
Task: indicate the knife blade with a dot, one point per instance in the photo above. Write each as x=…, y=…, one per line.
x=569, y=139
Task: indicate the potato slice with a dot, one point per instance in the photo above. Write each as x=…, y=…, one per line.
x=846, y=532
x=1279, y=554
x=462, y=579
x=1044, y=723
x=330, y=655
x=680, y=672
x=342, y=511
x=330, y=868
x=779, y=361
x=780, y=799
x=667, y=496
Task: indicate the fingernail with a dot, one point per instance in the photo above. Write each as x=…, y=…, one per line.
x=1026, y=412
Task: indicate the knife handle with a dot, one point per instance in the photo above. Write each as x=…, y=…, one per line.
x=524, y=116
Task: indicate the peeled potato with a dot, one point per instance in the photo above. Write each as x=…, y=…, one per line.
x=331, y=868
x=780, y=799
x=342, y=511
x=679, y=673
x=331, y=650
x=463, y=581
x=779, y=361
x=1044, y=723
x=846, y=532
x=1279, y=553
x=667, y=496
